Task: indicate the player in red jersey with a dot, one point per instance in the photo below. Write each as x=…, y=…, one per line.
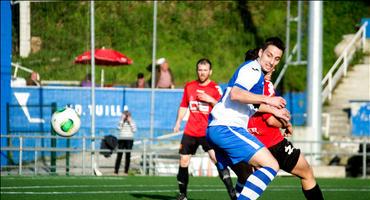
x=199, y=98
x=267, y=129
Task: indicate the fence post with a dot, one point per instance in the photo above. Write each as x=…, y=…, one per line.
x=364, y=160
x=83, y=154
x=20, y=154
x=53, y=143
x=67, y=156
x=35, y=163
x=144, y=158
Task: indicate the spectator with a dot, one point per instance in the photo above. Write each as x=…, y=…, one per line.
x=163, y=74
x=127, y=128
x=34, y=79
x=140, y=81
x=87, y=81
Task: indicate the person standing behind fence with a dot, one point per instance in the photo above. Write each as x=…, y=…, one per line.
x=140, y=82
x=199, y=97
x=164, y=77
x=127, y=128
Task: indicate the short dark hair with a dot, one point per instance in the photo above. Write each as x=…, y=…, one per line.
x=140, y=75
x=276, y=41
x=252, y=54
x=203, y=61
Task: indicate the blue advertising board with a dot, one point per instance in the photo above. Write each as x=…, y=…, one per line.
x=30, y=111
x=30, y=108
x=360, y=118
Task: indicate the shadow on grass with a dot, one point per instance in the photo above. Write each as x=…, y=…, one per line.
x=158, y=196
x=154, y=196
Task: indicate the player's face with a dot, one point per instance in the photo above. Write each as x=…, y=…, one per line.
x=203, y=72
x=269, y=58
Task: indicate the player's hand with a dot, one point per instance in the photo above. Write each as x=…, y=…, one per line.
x=176, y=128
x=282, y=114
x=202, y=96
x=278, y=102
x=288, y=130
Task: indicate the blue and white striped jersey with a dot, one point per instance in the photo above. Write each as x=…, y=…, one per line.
x=248, y=77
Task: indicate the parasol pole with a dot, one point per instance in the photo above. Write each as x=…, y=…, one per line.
x=92, y=20
x=153, y=73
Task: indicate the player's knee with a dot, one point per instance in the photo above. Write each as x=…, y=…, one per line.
x=184, y=160
x=274, y=165
x=308, y=172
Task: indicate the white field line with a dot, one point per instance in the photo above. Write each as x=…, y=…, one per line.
x=215, y=189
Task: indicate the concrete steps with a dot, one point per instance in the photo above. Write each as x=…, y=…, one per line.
x=354, y=86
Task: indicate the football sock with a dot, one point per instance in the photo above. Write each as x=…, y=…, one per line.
x=226, y=178
x=183, y=179
x=238, y=188
x=257, y=183
x=314, y=193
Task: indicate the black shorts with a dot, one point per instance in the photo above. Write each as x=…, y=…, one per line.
x=190, y=144
x=286, y=155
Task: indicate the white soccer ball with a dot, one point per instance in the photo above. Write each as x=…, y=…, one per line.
x=65, y=122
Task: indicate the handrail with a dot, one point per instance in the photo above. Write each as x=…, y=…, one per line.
x=331, y=79
x=16, y=66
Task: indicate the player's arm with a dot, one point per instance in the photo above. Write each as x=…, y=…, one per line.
x=246, y=97
x=280, y=123
x=206, y=98
x=281, y=115
x=180, y=115
x=273, y=121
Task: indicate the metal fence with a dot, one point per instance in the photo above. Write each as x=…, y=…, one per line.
x=160, y=158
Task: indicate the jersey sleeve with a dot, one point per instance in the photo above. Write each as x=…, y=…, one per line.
x=218, y=92
x=266, y=116
x=247, y=77
x=185, y=102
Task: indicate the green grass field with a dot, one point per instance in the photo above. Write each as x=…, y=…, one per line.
x=164, y=188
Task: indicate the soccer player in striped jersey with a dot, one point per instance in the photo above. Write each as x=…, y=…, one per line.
x=227, y=130
x=266, y=128
x=199, y=97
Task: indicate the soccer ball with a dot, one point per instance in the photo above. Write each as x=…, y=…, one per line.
x=65, y=122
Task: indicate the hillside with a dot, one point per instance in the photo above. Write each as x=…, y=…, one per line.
x=219, y=30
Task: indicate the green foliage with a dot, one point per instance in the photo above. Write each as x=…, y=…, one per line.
x=186, y=31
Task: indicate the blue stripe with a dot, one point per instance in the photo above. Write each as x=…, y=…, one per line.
x=272, y=171
x=258, y=87
x=253, y=187
x=241, y=197
x=262, y=176
x=241, y=86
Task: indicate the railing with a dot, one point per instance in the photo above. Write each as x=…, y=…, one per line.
x=18, y=66
x=148, y=161
x=340, y=67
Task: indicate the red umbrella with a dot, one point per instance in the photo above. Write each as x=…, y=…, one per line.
x=104, y=57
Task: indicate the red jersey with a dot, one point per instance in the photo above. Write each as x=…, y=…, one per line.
x=257, y=125
x=199, y=110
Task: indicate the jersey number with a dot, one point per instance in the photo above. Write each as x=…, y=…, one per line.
x=289, y=149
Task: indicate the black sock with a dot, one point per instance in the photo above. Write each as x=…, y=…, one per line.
x=226, y=178
x=314, y=193
x=183, y=179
